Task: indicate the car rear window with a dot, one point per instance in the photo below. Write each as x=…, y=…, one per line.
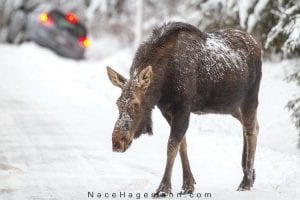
x=76, y=30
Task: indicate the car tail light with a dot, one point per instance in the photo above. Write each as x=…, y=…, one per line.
x=84, y=42
x=71, y=18
x=45, y=19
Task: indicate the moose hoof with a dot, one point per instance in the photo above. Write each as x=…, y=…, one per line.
x=188, y=187
x=247, y=182
x=243, y=187
x=161, y=194
x=188, y=190
x=163, y=190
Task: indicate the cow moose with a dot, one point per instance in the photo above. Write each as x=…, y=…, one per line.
x=183, y=70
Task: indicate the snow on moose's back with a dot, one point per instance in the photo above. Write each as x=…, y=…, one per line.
x=220, y=54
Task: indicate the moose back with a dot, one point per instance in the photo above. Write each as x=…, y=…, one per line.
x=182, y=70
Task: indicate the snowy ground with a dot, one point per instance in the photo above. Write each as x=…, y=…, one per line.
x=57, y=116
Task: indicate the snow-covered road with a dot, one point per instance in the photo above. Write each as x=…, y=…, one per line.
x=56, y=118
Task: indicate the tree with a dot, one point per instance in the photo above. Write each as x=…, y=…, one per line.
x=139, y=23
x=294, y=105
x=286, y=33
x=285, y=37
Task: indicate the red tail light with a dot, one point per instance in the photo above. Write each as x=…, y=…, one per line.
x=84, y=42
x=45, y=19
x=71, y=18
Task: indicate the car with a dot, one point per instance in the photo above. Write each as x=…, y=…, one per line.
x=52, y=28
x=63, y=33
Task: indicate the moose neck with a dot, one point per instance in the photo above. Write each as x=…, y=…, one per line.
x=145, y=125
x=150, y=99
x=144, y=57
x=155, y=53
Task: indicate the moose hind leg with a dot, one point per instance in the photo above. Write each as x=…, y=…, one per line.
x=238, y=115
x=250, y=126
x=188, y=178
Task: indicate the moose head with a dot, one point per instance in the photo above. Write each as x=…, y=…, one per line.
x=132, y=107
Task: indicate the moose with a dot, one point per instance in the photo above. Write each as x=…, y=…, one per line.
x=183, y=70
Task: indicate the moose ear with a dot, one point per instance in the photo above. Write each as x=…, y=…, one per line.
x=115, y=77
x=145, y=77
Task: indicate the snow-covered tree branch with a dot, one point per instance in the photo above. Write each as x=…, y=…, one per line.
x=286, y=33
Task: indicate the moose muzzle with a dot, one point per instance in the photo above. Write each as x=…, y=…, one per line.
x=121, y=141
x=122, y=137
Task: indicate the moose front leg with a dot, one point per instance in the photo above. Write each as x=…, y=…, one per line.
x=179, y=124
x=165, y=184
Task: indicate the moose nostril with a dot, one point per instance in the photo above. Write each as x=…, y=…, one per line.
x=115, y=145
